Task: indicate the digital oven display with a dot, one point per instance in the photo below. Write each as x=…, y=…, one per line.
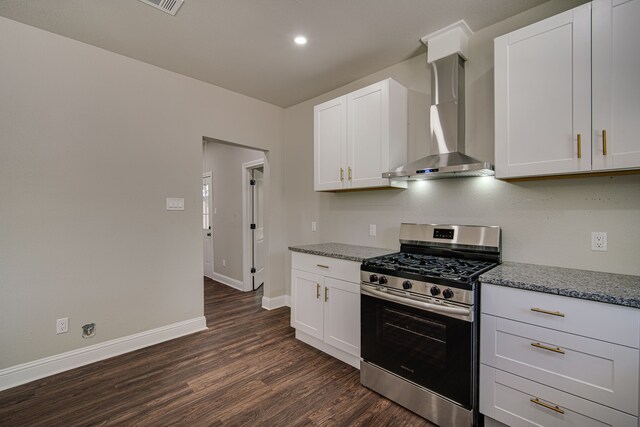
x=443, y=233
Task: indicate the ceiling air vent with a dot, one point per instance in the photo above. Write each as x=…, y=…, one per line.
x=169, y=6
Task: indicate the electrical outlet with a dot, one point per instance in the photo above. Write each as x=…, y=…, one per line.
x=62, y=325
x=314, y=226
x=598, y=241
x=224, y=262
x=372, y=230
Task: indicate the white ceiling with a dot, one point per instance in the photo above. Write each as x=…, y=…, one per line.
x=246, y=45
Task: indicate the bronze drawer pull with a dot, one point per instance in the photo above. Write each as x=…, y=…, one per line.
x=544, y=347
x=553, y=313
x=555, y=408
x=579, y=146
x=322, y=266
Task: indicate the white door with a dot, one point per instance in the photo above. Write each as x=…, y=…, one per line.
x=342, y=315
x=257, y=240
x=307, y=302
x=543, y=97
x=368, y=135
x=330, y=144
x=207, y=237
x=616, y=91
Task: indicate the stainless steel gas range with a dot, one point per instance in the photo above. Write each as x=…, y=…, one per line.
x=419, y=333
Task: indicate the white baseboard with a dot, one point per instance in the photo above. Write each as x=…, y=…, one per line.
x=30, y=371
x=276, y=302
x=234, y=283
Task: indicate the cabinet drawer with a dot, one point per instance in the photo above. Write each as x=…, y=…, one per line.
x=516, y=401
x=596, y=370
x=606, y=322
x=328, y=267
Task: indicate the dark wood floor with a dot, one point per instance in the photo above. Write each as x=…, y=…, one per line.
x=247, y=369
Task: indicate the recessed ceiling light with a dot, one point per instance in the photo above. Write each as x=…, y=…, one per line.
x=300, y=40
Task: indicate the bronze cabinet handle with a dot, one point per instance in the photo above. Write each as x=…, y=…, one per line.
x=349, y=170
x=322, y=266
x=579, y=146
x=604, y=142
x=552, y=313
x=544, y=347
x=317, y=291
x=341, y=174
x=555, y=408
x=326, y=294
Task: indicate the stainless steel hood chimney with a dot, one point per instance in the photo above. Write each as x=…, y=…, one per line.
x=447, y=125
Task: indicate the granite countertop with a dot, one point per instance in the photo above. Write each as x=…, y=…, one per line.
x=609, y=288
x=342, y=251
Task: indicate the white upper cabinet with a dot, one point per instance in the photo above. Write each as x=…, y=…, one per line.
x=359, y=136
x=545, y=75
x=543, y=97
x=616, y=84
x=330, y=144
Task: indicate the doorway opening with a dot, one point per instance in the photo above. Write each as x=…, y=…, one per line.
x=207, y=237
x=232, y=208
x=253, y=220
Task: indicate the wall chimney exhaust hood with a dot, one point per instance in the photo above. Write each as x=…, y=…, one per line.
x=447, y=50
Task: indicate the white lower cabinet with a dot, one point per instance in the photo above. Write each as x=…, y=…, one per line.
x=517, y=401
x=548, y=360
x=325, y=305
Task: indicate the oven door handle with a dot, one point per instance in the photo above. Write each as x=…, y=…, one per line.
x=437, y=308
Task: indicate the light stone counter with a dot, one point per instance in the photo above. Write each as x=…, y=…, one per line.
x=609, y=288
x=342, y=251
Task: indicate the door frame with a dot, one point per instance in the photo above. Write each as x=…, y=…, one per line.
x=209, y=174
x=246, y=221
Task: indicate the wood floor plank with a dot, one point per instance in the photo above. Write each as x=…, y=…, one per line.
x=246, y=370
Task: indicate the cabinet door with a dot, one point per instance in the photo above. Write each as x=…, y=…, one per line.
x=616, y=88
x=543, y=97
x=342, y=315
x=307, y=303
x=368, y=136
x=330, y=144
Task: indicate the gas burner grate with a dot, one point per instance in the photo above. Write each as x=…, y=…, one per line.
x=430, y=265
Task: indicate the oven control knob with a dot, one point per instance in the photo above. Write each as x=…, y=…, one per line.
x=448, y=293
x=382, y=280
x=407, y=285
x=373, y=278
x=435, y=290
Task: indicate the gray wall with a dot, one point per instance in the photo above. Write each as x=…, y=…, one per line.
x=225, y=162
x=91, y=144
x=544, y=222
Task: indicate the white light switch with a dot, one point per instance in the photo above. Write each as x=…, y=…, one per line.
x=175, y=204
x=314, y=226
x=372, y=229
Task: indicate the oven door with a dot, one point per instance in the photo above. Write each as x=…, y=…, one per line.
x=425, y=343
